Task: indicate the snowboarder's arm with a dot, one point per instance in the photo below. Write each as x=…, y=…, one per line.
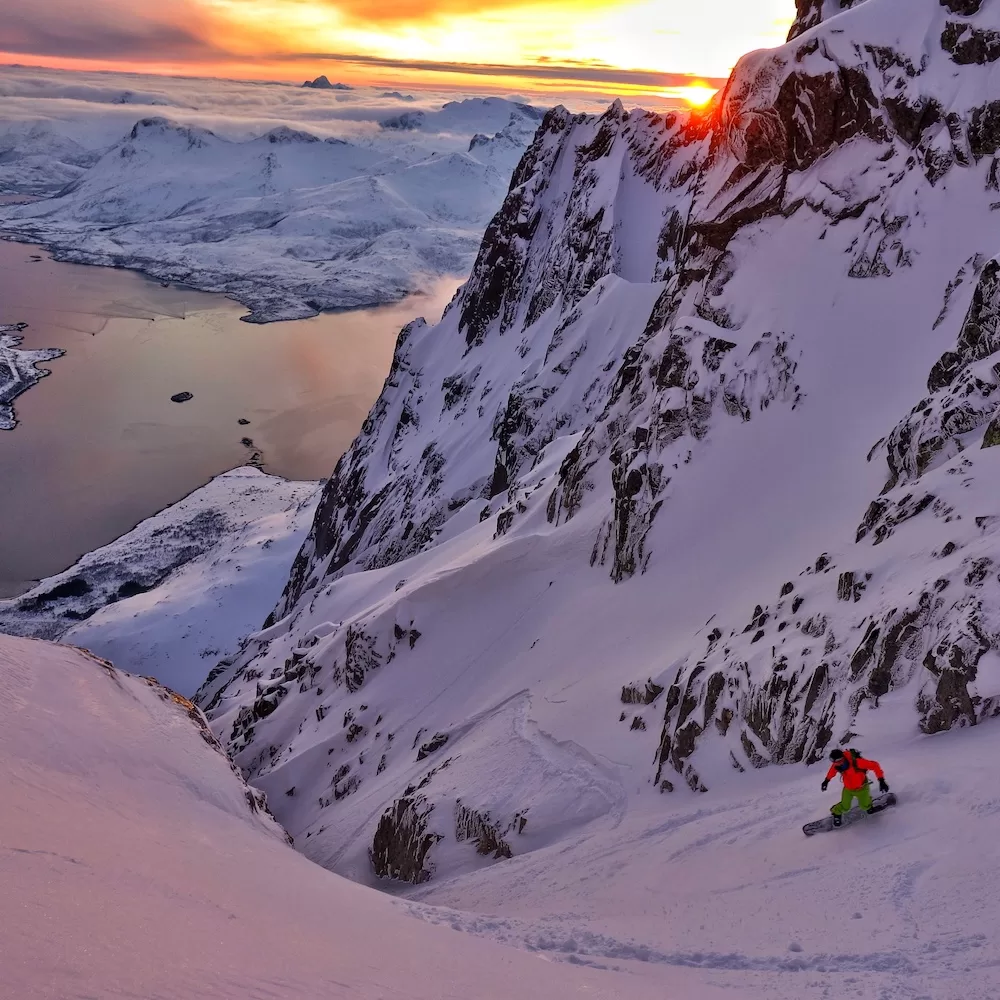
x=871, y=765
x=831, y=774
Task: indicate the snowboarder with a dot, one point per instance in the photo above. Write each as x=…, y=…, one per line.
x=853, y=768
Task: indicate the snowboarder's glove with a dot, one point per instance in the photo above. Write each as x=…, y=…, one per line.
x=883, y=785
x=826, y=782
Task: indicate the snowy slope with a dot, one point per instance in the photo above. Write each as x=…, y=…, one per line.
x=896, y=906
x=179, y=591
x=136, y=863
x=284, y=218
x=37, y=160
x=690, y=476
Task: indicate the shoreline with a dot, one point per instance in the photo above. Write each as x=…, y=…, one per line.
x=21, y=367
x=165, y=276
x=106, y=448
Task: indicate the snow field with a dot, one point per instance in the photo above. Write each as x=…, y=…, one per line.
x=899, y=905
x=132, y=866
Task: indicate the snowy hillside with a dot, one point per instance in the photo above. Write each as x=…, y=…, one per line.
x=343, y=212
x=137, y=864
x=695, y=475
x=19, y=370
x=179, y=591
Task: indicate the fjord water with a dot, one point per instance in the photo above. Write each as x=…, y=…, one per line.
x=100, y=445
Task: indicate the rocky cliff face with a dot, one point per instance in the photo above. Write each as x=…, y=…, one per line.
x=710, y=425
x=809, y=13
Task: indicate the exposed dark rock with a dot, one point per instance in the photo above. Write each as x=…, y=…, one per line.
x=849, y=588
x=978, y=571
x=323, y=83
x=955, y=666
x=77, y=586
x=964, y=396
x=402, y=841
x=360, y=657
x=433, y=744
x=910, y=118
x=502, y=260
x=470, y=824
x=809, y=13
x=181, y=397
x=633, y=694
x=992, y=436
x=968, y=43
x=268, y=699
x=984, y=130
x=716, y=685
x=964, y=7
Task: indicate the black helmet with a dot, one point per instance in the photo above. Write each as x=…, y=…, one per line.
x=836, y=755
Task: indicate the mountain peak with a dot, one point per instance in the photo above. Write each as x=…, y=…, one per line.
x=323, y=83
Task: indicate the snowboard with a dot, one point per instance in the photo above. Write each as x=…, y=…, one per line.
x=880, y=802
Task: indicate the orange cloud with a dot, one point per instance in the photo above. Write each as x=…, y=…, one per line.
x=628, y=46
x=388, y=11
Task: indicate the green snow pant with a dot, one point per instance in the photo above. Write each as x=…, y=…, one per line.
x=862, y=794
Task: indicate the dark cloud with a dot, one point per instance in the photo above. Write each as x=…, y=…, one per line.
x=570, y=71
x=110, y=29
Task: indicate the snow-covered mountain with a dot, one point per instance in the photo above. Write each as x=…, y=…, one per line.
x=36, y=160
x=288, y=222
x=694, y=476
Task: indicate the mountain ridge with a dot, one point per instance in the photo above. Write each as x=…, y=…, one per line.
x=632, y=440
x=287, y=222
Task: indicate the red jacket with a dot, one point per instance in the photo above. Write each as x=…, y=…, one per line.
x=855, y=777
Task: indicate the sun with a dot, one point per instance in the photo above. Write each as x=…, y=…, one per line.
x=697, y=94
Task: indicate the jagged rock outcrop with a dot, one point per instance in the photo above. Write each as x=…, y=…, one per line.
x=962, y=398
x=809, y=13
x=399, y=848
x=487, y=834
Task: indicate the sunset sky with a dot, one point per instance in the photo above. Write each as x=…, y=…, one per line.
x=607, y=46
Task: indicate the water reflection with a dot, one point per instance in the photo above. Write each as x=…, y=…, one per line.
x=101, y=446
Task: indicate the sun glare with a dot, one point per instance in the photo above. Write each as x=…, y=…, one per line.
x=697, y=95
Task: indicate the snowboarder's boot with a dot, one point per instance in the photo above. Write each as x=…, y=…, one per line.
x=837, y=819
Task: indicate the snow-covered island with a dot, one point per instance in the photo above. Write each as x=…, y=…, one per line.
x=19, y=370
